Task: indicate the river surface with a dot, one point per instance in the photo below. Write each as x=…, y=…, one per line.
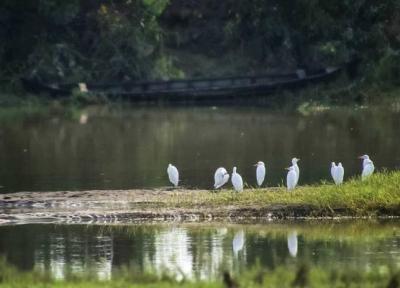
x=130, y=147
x=121, y=148
x=200, y=251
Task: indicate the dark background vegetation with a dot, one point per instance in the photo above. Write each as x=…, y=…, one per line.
x=86, y=40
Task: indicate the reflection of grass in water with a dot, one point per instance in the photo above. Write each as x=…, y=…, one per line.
x=378, y=193
x=344, y=230
x=16, y=108
x=16, y=114
x=309, y=101
x=303, y=276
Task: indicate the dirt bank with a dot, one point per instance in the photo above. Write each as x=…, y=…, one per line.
x=122, y=206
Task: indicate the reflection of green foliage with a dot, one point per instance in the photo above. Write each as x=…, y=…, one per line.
x=344, y=230
x=14, y=108
x=253, y=277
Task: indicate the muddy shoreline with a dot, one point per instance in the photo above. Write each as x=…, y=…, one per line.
x=141, y=205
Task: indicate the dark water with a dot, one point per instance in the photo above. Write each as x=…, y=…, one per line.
x=200, y=251
x=102, y=148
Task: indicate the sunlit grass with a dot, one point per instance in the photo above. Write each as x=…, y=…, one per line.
x=378, y=193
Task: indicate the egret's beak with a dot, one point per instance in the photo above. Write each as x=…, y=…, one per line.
x=298, y=159
x=287, y=168
x=360, y=157
x=255, y=164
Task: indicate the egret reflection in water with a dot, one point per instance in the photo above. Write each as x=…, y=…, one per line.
x=197, y=251
x=172, y=252
x=292, y=243
x=83, y=118
x=238, y=242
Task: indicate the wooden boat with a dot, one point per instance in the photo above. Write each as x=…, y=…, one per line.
x=208, y=89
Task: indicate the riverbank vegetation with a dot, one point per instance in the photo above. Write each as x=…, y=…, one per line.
x=378, y=195
x=302, y=276
x=81, y=41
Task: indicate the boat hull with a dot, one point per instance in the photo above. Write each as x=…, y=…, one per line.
x=189, y=90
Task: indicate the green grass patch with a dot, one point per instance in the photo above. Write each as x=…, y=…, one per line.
x=379, y=192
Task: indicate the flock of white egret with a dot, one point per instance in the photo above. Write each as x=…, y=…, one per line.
x=221, y=176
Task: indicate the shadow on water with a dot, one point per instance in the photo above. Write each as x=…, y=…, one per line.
x=201, y=251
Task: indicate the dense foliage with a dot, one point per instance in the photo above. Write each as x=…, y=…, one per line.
x=81, y=39
x=157, y=39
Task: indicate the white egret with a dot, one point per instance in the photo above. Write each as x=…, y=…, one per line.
x=296, y=168
x=173, y=174
x=260, y=172
x=339, y=173
x=368, y=167
x=221, y=176
x=292, y=243
x=365, y=159
x=238, y=242
x=291, y=178
x=333, y=171
x=237, y=181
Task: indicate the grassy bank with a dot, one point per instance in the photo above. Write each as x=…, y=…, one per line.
x=378, y=194
x=301, y=276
